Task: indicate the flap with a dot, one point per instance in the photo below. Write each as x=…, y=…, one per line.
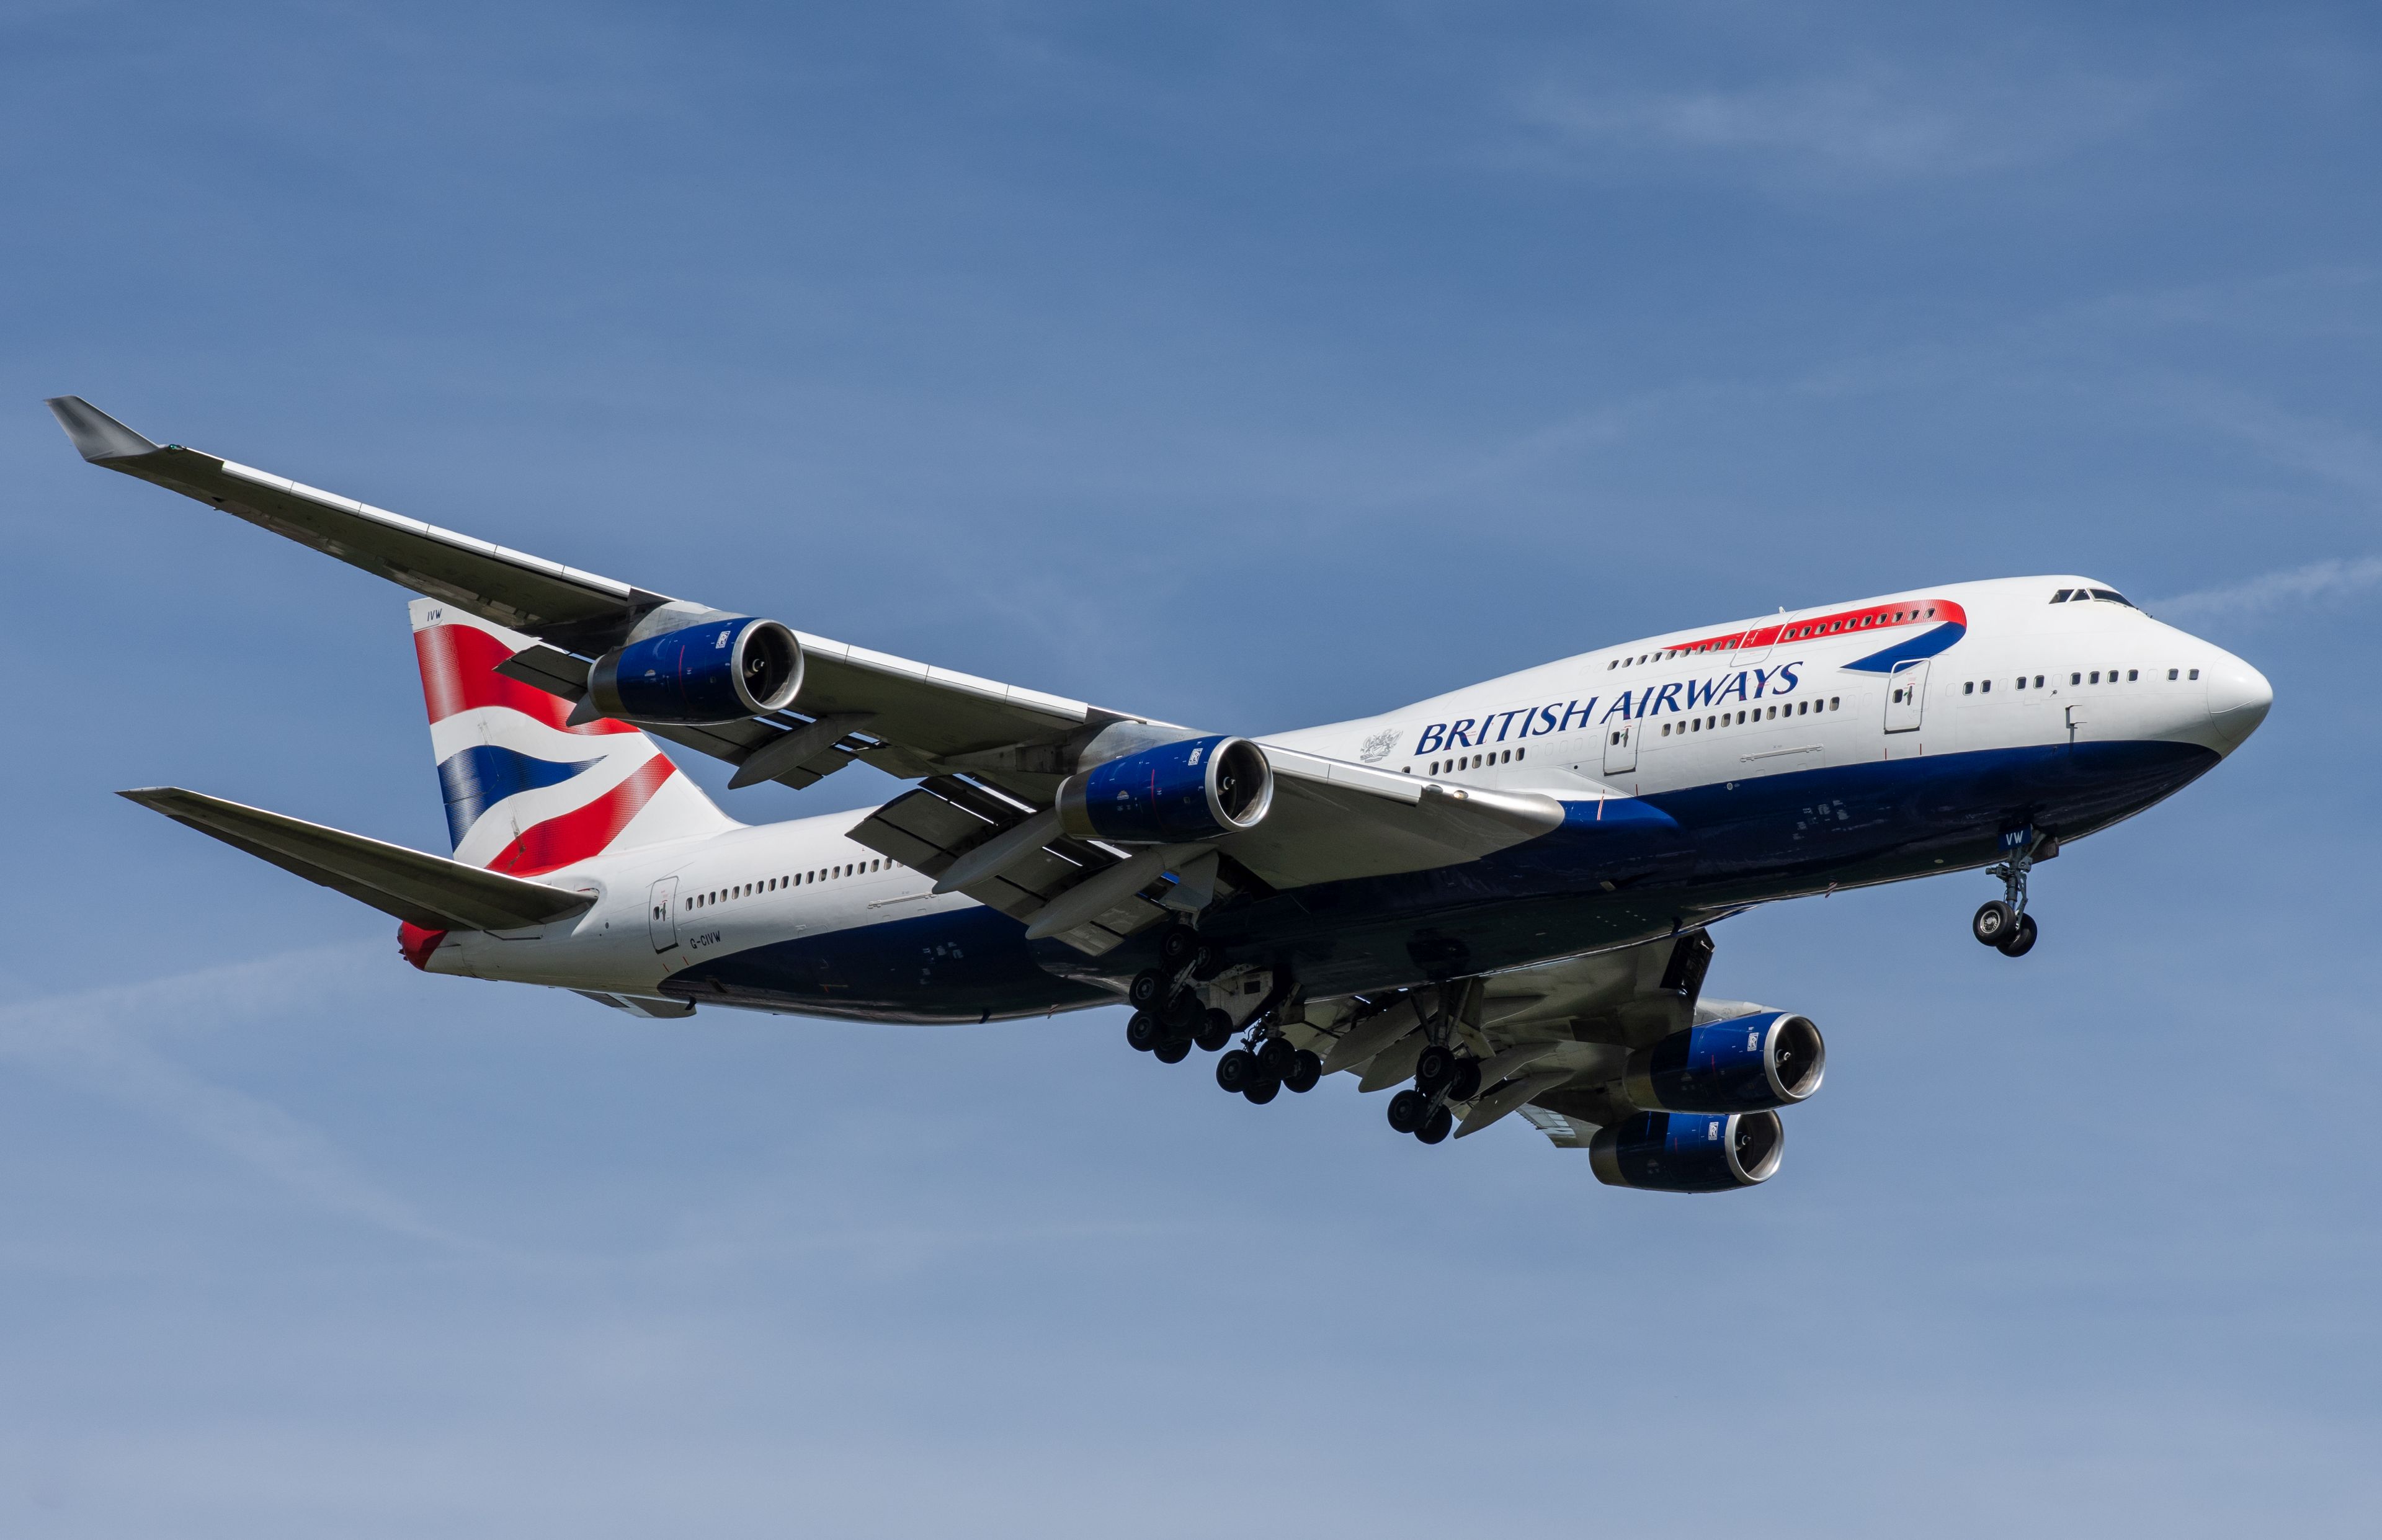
x=1333, y=820
x=425, y=890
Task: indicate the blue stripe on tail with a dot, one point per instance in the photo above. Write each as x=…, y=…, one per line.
x=479, y=777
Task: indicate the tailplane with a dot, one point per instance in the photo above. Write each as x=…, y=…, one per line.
x=526, y=793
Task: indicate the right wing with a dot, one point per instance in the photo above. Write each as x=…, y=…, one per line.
x=993, y=754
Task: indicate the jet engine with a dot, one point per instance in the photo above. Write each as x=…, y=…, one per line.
x=727, y=667
x=1747, y=1064
x=1198, y=789
x=1687, y=1152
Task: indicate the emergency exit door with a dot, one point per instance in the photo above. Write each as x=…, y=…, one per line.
x=1620, y=747
x=661, y=914
x=1905, y=695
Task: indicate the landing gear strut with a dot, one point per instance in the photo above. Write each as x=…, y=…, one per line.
x=2003, y=923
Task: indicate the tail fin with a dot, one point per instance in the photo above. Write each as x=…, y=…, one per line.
x=524, y=793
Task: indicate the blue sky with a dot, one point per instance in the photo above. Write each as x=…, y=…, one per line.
x=1249, y=367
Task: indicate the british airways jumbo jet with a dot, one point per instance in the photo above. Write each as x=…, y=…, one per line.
x=1494, y=901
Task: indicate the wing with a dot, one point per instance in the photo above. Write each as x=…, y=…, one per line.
x=425, y=890
x=1551, y=1040
x=990, y=755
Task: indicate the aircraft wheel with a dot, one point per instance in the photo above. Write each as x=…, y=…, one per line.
x=1211, y=961
x=1465, y=1083
x=1434, y=1068
x=2020, y=940
x=1184, y=1014
x=1441, y=1122
x=1215, y=1031
x=1237, y=1070
x=1407, y=1111
x=1277, y=1056
x=1263, y=1089
x=1147, y=991
x=1304, y=1071
x=1174, y=1050
x=1174, y=948
x=1141, y=1033
x=1993, y=921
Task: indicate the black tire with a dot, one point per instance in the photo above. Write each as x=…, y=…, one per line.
x=1263, y=1089
x=1215, y=1031
x=1237, y=1070
x=1442, y=1123
x=1174, y=1050
x=1407, y=1111
x=1174, y=948
x=1465, y=1083
x=1434, y=1068
x=1147, y=991
x=1210, y=962
x=1276, y=1056
x=1184, y=1014
x=2020, y=940
x=1142, y=1033
x=1993, y=921
x=1304, y=1071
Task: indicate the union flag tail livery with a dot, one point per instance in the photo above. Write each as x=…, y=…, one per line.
x=1494, y=902
x=526, y=793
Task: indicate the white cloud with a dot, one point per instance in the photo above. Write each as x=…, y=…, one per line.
x=2318, y=581
x=1869, y=125
x=92, y=1039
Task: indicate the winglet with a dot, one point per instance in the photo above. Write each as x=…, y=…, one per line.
x=96, y=435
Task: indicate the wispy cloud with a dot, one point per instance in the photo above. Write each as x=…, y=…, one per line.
x=1876, y=125
x=2318, y=581
x=91, y=1038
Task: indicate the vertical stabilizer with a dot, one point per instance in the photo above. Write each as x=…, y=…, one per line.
x=524, y=793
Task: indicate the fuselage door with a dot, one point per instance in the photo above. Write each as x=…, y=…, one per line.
x=1905, y=695
x=661, y=914
x=1620, y=746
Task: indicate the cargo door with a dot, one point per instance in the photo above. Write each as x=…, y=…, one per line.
x=1905, y=695
x=661, y=914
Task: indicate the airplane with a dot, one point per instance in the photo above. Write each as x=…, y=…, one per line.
x=1496, y=902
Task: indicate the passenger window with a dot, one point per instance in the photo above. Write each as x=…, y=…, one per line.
x=2170, y=673
x=1985, y=689
x=2038, y=681
x=2096, y=676
x=1967, y=689
x=2133, y=674
x=2195, y=673
x=2075, y=678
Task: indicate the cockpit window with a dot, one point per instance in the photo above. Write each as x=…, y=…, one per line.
x=2061, y=597
x=2113, y=596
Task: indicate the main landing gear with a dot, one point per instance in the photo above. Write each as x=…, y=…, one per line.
x=2003, y=923
x=1442, y=1073
x=1169, y=1022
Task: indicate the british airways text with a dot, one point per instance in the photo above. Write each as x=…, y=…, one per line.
x=1680, y=695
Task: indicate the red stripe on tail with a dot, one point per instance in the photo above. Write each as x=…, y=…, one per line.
x=582, y=832
x=459, y=673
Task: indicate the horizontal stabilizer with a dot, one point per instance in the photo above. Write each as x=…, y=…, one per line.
x=425, y=890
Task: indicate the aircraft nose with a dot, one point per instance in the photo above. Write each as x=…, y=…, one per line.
x=2239, y=697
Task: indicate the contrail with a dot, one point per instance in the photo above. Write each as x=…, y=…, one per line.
x=2335, y=578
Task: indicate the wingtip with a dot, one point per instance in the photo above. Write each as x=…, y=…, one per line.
x=97, y=436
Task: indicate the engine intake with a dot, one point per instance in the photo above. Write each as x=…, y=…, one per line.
x=721, y=671
x=1689, y=1152
x=1747, y=1064
x=1198, y=789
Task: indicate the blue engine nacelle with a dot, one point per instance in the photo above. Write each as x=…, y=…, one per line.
x=1749, y=1064
x=1689, y=1152
x=1195, y=789
x=728, y=667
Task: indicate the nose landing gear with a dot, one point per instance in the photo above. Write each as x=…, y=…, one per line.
x=2003, y=923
